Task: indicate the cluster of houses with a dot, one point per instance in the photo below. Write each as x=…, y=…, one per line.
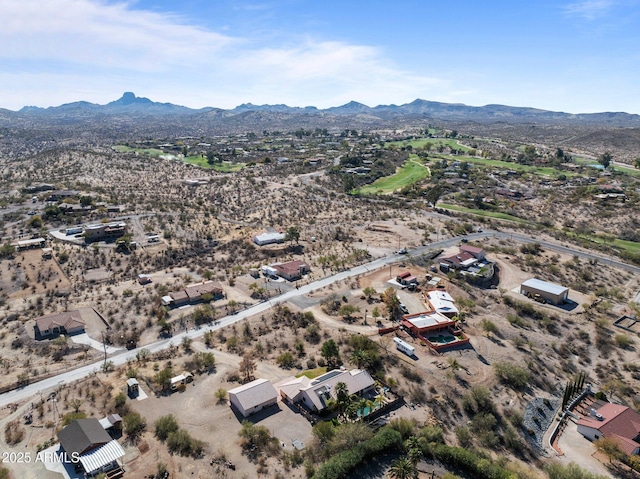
x=194, y=294
x=313, y=395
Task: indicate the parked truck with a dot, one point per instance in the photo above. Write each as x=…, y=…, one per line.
x=404, y=347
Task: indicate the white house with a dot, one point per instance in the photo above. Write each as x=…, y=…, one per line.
x=253, y=397
x=315, y=393
x=269, y=238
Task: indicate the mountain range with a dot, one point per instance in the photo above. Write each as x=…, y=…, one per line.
x=130, y=105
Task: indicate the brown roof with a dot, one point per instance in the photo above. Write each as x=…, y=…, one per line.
x=471, y=249
x=290, y=268
x=459, y=258
x=619, y=422
x=82, y=435
x=67, y=320
x=197, y=290
x=179, y=295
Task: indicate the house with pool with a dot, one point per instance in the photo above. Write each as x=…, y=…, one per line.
x=435, y=329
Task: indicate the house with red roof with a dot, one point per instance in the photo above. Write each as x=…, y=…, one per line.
x=292, y=270
x=616, y=422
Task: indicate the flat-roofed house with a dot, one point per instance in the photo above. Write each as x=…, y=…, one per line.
x=269, y=238
x=253, y=397
x=441, y=302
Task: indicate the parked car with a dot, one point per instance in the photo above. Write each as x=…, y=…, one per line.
x=404, y=309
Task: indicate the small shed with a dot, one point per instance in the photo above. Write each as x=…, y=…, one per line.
x=133, y=388
x=253, y=397
x=552, y=293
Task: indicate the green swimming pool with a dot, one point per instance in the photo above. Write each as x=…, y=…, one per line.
x=442, y=339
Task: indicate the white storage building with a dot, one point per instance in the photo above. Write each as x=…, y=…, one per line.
x=552, y=293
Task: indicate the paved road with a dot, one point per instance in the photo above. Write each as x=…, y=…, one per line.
x=122, y=357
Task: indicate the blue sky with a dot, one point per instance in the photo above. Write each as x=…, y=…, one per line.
x=578, y=56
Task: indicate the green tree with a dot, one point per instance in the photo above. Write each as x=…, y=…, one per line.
x=610, y=448
x=292, y=234
x=211, y=158
x=403, y=468
x=390, y=299
x=164, y=426
x=434, y=194
x=7, y=250
x=330, y=353
x=369, y=292
x=163, y=378
x=221, y=395
x=359, y=357
x=605, y=159
x=347, y=310
x=134, y=425
x=636, y=162
x=343, y=399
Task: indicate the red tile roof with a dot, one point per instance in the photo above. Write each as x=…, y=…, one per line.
x=620, y=423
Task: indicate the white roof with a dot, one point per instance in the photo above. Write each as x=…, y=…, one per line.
x=101, y=456
x=544, y=286
x=356, y=380
x=270, y=236
x=442, y=302
x=425, y=320
x=254, y=393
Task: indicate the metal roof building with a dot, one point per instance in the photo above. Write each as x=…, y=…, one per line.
x=253, y=397
x=552, y=293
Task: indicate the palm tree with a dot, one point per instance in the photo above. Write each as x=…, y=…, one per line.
x=342, y=397
x=359, y=357
x=414, y=449
x=403, y=468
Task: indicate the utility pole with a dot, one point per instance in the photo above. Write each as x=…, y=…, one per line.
x=104, y=368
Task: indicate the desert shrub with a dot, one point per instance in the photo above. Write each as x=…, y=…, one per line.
x=570, y=471
x=489, y=326
x=286, y=360
x=478, y=399
x=72, y=416
x=134, y=424
x=343, y=463
x=511, y=375
x=165, y=425
x=623, y=341
x=181, y=442
x=13, y=432
x=404, y=426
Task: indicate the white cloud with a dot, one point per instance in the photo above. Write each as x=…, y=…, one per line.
x=55, y=52
x=590, y=9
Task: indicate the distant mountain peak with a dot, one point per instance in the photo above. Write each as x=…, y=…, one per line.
x=130, y=98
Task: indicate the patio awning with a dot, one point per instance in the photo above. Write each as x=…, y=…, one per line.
x=101, y=456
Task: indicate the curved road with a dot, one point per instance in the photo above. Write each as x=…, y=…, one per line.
x=125, y=356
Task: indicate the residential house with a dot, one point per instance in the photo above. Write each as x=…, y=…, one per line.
x=67, y=322
x=193, y=294
x=253, y=397
x=293, y=270
x=314, y=394
x=269, y=238
x=462, y=260
x=613, y=421
x=437, y=330
x=90, y=447
x=441, y=302
x=474, y=251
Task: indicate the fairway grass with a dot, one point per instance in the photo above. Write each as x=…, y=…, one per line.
x=413, y=170
x=488, y=214
x=420, y=142
x=197, y=160
x=224, y=167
